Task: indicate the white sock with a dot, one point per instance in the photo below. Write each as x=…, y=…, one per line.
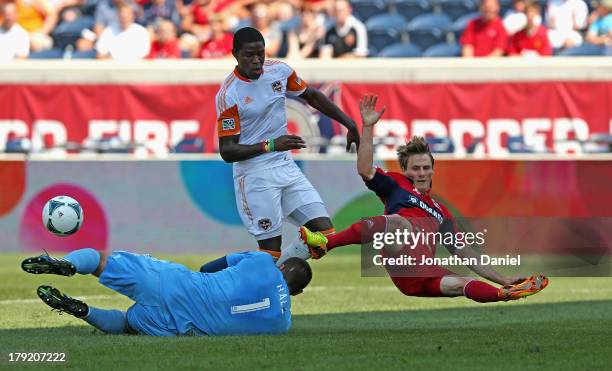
x=296, y=249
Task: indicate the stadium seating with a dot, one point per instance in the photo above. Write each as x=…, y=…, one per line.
x=455, y=9
x=410, y=8
x=441, y=144
x=516, y=144
x=190, y=145
x=18, y=145
x=47, y=54
x=384, y=30
x=443, y=50
x=67, y=33
x=460, y=24
x=400, y=50
x=598, y=143
x=365, y=9
x=428, y=29
x=87, y=54
x=582, y=50
x=506, y=5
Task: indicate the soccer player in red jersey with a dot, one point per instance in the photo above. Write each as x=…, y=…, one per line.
x=409, y=206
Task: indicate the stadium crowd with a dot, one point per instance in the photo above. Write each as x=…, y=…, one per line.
x=138, y=29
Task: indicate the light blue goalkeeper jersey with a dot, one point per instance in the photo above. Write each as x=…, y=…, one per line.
x=250, y=296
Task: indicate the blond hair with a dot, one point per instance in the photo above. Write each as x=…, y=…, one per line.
x=416, y=146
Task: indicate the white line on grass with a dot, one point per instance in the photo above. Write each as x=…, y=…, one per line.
x=308, y=289
x=30, y=301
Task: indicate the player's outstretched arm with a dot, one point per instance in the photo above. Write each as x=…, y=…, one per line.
x=365, y=154
x=320, y=102
x=232, y=151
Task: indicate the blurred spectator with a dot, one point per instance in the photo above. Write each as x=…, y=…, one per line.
x=533, y=40
x=283, y=11
x=220, y=43
x=157, y=10
x=565, y=19
x=515, y=19
x=305, y=41
x=106, y=14
x=166, y=41
x=485, y=36
x=68, y=10
x=271, y=32
x=14, y=40
x=127, y=42
x=37, y=17
x=348, y=38
x=600, y=31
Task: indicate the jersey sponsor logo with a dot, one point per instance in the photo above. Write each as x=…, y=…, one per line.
x=228, y=124
x=264, y=223
x=277, y=86
x=428, y=209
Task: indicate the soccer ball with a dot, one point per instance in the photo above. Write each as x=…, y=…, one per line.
x=62, y=216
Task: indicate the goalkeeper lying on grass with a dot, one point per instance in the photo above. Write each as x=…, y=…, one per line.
x=239, y=294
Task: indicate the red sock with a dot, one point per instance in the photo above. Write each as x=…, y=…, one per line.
x=360, y=232
x=481, y=292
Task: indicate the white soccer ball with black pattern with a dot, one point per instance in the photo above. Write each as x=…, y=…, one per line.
x=62, y=216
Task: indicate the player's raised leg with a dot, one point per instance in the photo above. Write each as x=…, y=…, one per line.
x=82, y=261
x=357, y=233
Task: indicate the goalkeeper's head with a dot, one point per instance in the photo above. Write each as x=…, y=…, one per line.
x=297, y=274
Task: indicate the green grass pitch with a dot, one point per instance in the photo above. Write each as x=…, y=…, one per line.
x=342, y=321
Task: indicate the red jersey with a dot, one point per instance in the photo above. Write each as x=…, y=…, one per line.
x=217, y=48
x=401, y=197
x=166, y=50
x=537, y=42
x=485, y=37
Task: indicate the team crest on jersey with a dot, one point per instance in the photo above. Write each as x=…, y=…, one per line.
x=248, y=100
x=228, y=124
x=277, y=86
x=265, y=223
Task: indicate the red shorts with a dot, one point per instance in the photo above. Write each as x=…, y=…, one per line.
x=420, y=280
x=422, y=286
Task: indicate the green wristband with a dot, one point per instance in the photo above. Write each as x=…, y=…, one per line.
x=271, y=141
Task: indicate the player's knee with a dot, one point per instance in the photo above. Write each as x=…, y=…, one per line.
x=396, y=222
x=319, y=224
x=271, y=244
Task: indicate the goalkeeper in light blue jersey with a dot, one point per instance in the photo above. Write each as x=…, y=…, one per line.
x=239, y=294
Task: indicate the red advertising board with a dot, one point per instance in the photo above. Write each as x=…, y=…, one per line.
x=551, y=116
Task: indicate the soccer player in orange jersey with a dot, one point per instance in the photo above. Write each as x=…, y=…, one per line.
x=252, y=130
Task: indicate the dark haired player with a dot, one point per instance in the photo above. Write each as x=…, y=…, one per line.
x=409, y=206
x=252, y=130
x=239, y=294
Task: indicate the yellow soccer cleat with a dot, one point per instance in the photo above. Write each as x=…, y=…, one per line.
x=315, y=241
x=530, y=286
